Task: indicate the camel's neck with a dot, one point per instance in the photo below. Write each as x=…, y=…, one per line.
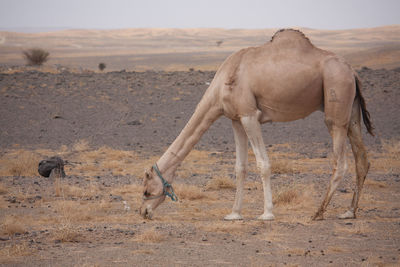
x=207, y=111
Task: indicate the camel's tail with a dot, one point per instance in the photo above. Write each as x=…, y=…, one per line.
x=365, y=114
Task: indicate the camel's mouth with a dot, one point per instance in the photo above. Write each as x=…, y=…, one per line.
x=147, y=213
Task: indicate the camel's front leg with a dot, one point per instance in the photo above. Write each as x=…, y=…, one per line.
x=253, y=130
x=241, y=142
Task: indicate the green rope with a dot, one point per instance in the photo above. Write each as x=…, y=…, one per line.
x=166, y=185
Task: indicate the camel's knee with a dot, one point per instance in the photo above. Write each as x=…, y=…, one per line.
x=265, y=168
x=343, y=167
x=241, y=169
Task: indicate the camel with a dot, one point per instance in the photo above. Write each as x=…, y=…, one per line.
x=283, y=80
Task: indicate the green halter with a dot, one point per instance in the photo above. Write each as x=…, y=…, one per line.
x=166, y=186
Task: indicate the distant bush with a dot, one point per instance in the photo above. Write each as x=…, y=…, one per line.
x=36, y=56
x=102, y=66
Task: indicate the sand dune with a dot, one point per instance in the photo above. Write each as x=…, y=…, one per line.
x=180, y=49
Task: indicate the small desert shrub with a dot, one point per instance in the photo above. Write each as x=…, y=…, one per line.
x=36, y=56
x=150, y=236
x=220, y=182
x=102, y=66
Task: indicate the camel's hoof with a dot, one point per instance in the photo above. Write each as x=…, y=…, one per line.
x=347, y=215
x=266, y=217
x=233, y=217
x=317, y=217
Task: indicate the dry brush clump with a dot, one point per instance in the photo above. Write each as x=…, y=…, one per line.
x=102, y=66
x=35, y=56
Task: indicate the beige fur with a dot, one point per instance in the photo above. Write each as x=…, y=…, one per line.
x=285, y=79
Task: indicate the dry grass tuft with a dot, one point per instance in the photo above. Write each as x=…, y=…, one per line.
x=286, y=196
x=189, y=192
x=150, y=236
x=66, y=233
x=294, y=196
x=12, y=225
x=19, y=163
x=220, y=182
x=281, y=166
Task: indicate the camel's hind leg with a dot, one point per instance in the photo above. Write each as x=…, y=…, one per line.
x=339, y=94
x=360, y=156
x=253, y=130
x=241, y=142
x=339, y=160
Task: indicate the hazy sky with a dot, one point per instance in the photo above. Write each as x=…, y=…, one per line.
x=109, y=14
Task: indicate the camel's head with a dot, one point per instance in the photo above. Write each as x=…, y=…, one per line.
x=153, y=193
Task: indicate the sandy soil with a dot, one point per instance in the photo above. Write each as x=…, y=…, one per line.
x=110, y=126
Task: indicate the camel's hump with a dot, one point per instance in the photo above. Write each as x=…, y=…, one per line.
x=290, y=36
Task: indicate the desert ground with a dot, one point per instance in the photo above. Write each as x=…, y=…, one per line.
x=112, y=125
x=182, y=49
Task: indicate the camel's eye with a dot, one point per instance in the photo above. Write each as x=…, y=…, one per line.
x=146, y=194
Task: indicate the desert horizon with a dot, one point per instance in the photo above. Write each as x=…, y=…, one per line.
x=170, y=49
